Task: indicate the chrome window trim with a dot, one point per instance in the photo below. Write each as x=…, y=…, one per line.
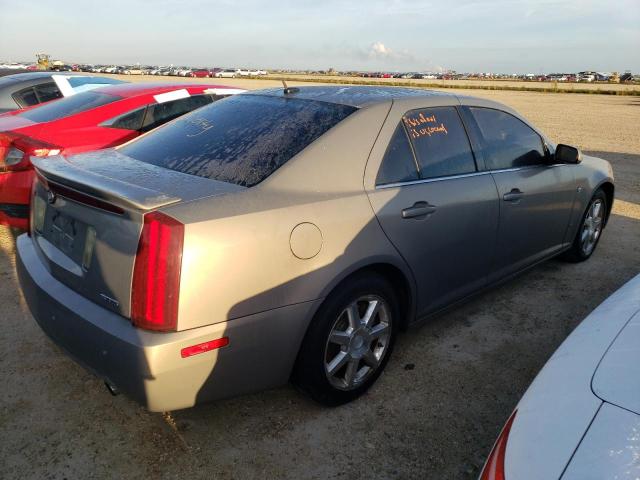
x=464, y=175
x=430, y=180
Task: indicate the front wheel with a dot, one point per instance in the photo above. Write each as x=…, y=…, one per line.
x=349, y=341
x=590, y=229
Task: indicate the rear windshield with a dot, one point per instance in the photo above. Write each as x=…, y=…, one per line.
x=240, y=140
x=68, y=106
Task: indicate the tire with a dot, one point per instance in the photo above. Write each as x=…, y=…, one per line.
x=358, y=352
x=590, y=229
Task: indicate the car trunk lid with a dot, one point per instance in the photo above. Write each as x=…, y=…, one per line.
x=88, y=212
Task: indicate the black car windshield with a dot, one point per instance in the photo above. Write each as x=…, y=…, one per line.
x=65, y=107
x=242, y=139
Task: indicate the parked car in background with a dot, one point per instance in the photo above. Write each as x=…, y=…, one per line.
x=291, y=233
x=580, y=417
x=25, y=90
x=199, y=73
x=228, y=73
x=132, y=71
x=88, y=121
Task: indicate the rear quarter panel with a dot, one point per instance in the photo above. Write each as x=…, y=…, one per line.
x=238, y=258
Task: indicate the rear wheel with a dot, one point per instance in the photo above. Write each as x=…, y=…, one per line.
x=349, y=341
x=590, y=229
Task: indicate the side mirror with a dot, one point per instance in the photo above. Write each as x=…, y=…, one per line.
x=567, y=154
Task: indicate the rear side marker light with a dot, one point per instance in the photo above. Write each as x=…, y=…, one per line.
x=155, y=289
x=204, y=347
x=494, y=468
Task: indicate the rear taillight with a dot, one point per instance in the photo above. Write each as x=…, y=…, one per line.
x=494, y=468
x=13, y=157
x=16, y=150
x=155, y=290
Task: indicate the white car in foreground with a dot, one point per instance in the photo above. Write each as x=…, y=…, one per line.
x=580, y=418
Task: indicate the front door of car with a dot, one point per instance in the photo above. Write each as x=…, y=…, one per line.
x=536, y=198
x=439, y=212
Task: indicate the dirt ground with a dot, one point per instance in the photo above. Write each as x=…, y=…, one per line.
x=436, y=420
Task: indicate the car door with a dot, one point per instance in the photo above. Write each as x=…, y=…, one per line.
x=434, y=205
x=536, y=197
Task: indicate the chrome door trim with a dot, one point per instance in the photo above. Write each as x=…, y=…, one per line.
x=430, y=180
x=464, y=175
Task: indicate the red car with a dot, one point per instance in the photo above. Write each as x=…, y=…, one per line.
x=101, y=118
x=201, y=73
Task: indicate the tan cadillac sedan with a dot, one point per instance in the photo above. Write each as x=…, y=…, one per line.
x=291, y=233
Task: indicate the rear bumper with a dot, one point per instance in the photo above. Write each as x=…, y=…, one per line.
x=14, y=216
x=148, y=366
x=15, y=190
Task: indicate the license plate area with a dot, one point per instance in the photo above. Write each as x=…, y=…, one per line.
x=66, y=233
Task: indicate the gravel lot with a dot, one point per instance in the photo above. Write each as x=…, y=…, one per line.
x=433, y=414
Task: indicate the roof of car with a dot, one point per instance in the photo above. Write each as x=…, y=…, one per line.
x=126, y=90
x=356, y=96
x=25, y=76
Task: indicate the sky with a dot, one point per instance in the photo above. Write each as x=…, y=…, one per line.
x=519, y=36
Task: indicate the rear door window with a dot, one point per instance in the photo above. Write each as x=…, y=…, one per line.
x=128, y=121
x=160, y=113
x=507, y=142
x=398, y=164
x=241, y=139
x=439, y=141
x=47, y=92
x=26, y=97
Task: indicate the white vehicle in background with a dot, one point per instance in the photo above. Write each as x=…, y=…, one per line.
x=580, y=418
x=14, y=66
x=133, y=71
x=257, y=73
x=228, y=73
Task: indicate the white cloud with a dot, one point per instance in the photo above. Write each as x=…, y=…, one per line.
x=379, y=50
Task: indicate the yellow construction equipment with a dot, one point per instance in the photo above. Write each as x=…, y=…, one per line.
x=43, y=61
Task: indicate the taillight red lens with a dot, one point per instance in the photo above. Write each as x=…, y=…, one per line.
x=155, y=290
x=494, y=468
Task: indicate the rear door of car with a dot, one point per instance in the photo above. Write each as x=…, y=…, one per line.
x=536, y=197
x=433, y=202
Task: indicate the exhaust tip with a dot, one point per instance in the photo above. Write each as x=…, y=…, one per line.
x=113, y=390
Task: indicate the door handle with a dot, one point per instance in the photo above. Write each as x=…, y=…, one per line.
x=513, y=196
x=419, y=209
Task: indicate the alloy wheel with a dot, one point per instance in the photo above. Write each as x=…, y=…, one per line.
x=358, y=342
x=592, y=226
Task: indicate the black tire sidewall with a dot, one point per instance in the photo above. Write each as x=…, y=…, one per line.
x=309, y=373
